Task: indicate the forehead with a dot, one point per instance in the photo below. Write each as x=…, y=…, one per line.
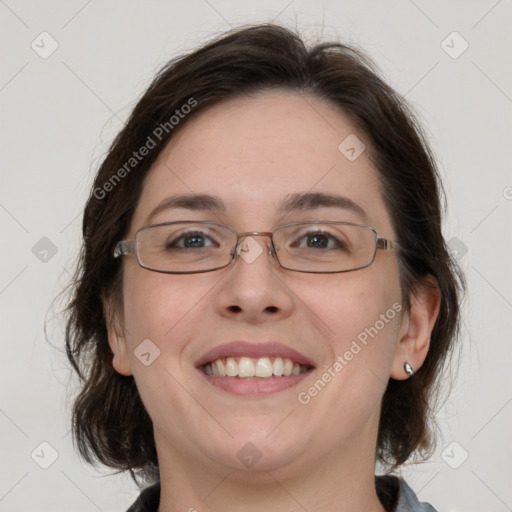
x=254, y=152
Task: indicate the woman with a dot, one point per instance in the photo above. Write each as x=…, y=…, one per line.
x=264, y=299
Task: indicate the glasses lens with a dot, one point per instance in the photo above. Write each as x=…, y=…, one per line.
x=181, y=247
x=325, y=246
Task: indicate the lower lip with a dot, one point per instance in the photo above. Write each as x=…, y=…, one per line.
x=255, y=387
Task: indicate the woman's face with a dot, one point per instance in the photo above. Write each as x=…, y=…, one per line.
x=253, y=155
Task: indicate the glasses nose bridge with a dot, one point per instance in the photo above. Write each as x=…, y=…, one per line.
x=245, y=234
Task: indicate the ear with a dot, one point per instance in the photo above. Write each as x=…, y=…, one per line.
x=116, y=337
x=416, y=328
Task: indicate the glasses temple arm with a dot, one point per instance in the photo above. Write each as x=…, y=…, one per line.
x=124, y=248
x=387, y=245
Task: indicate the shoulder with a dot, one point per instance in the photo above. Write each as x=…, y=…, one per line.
x=396, y=496
x=148, y=500
x=408, y=501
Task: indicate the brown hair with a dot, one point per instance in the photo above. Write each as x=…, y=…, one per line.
x=110, y=423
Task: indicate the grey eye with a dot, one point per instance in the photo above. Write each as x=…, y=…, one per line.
x=191, y=240
x=318, y=240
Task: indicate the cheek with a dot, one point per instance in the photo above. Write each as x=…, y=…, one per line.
x=162, y=307
x=360, y=315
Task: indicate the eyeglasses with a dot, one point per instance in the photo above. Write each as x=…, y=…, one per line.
x=320, y=247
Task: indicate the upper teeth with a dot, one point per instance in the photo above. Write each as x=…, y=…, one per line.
x=247, y=367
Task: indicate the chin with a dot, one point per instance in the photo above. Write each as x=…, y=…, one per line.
x=253, y=450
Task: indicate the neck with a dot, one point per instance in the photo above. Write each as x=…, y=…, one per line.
x=341, y=480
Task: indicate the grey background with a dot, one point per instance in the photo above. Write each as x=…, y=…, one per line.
x=59, y=114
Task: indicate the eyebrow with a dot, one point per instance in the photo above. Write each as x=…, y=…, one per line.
x=197, y=202
x=294, y=202
x=313, y=200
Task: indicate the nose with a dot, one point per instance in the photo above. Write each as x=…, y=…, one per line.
x=254, y=289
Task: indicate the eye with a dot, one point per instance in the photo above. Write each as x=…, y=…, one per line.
x=191, y=240
x=318, y=240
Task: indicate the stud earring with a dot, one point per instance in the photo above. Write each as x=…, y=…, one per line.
x=408, y=369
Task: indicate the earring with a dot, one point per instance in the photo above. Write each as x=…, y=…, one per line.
x=408, y=369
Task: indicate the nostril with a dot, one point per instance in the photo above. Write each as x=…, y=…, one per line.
x=271, y=309
x=235, y=309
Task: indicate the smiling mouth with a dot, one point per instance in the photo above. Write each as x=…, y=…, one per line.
x=254, y=368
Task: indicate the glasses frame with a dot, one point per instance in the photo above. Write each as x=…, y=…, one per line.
x=127, y=247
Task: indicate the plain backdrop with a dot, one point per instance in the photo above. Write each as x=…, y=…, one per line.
x=60, y=111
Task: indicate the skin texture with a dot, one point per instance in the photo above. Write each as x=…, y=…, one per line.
x=253, y=152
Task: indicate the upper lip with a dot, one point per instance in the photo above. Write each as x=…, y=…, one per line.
x=256, y=350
